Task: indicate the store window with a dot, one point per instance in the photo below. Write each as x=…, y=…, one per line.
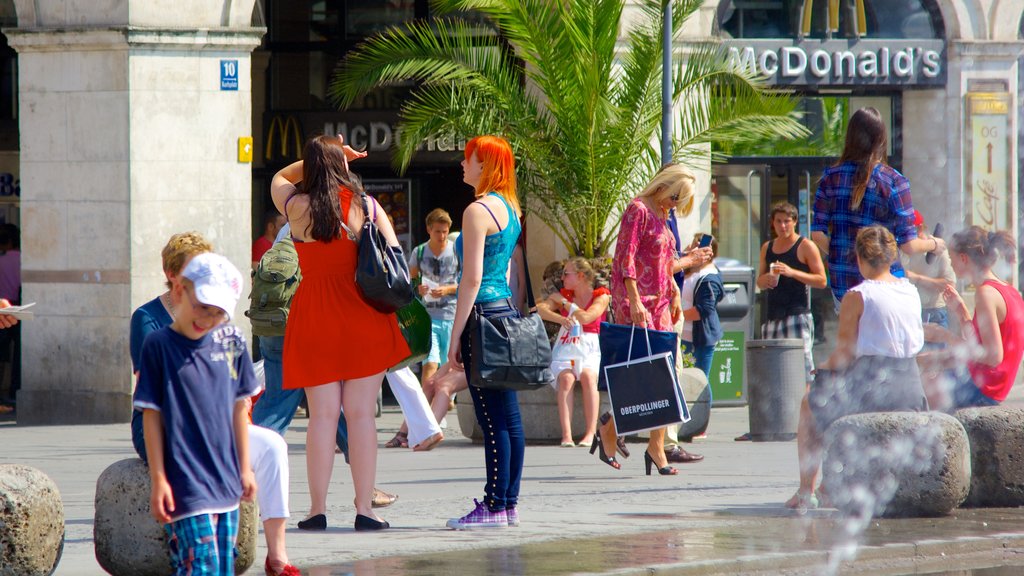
x=813, y=19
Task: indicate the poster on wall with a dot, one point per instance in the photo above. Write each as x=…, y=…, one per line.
x=990, y=200
x=395, y=197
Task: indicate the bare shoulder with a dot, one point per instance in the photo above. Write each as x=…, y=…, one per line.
x=808, y=250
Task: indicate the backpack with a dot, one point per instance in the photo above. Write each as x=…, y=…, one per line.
x=274, y=282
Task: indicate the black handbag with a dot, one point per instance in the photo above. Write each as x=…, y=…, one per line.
x=511, y=351
x=382, y=273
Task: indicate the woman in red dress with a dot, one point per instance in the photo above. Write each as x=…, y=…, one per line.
x=336, y=345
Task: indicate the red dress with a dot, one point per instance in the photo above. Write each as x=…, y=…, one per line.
x=332, y=333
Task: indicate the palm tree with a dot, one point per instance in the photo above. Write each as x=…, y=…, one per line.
x=581, y=110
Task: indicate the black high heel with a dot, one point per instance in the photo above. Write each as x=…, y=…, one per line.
x=666, y=471
x=597, y=446
x=620, y=442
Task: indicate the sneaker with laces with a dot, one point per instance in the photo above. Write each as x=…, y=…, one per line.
x=480, y=517
x=513, y=516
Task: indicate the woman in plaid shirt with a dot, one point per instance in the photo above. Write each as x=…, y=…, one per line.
x=859, y=191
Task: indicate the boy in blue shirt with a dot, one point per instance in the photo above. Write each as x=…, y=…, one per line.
x=193, y=382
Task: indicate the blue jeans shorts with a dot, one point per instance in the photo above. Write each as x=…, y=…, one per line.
x=440, y=337
x=966, y=393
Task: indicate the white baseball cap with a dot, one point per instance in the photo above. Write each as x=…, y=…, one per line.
x=217, y=282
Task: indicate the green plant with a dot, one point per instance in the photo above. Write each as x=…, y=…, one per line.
x=581, y=110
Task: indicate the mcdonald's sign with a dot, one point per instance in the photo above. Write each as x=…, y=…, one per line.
x=285, y=128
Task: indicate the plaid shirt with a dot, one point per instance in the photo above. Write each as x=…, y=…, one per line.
x=886, y=202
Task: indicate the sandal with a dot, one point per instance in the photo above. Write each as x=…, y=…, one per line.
x=401, y=440
x=428, y=444
x=802, y=502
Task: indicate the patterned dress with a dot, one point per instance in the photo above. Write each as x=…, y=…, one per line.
x=644, y=252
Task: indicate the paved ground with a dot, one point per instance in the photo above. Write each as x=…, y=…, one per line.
x=722, y=516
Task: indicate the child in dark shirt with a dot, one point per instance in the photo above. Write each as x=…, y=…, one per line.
x=193, y=385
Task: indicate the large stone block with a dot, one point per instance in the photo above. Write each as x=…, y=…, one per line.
x=539, y=411
x=31, y=522
x=896, y=464
x=130, y=542
x=996, y=436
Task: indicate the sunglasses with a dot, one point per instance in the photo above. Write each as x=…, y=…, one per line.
x=675, y=197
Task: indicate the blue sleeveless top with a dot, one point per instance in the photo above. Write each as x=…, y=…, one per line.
x=498, y=249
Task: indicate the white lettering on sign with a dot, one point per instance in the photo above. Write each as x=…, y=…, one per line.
x=793, y=62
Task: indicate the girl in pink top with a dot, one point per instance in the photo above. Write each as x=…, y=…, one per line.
x=992, y=341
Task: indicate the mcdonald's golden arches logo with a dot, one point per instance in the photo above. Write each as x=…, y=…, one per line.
x=833, y=17
x=286, y=127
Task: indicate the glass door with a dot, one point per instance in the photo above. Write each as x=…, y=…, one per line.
x=737, y=191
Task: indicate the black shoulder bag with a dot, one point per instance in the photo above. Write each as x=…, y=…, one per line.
x=510, y=352
x=382, y=273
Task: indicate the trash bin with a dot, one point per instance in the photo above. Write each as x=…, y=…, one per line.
x=775, y=387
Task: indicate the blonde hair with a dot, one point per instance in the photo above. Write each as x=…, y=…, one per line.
x=438, y=215
x=673, y=179
x=582, y=266
x=180, y=248
x=876, y=246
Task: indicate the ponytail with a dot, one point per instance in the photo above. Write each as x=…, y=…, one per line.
x=983, y=247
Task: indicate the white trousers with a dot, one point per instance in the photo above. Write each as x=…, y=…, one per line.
x=268, y=454
x=418, y=416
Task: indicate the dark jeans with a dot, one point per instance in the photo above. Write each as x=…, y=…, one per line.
x=497, y=412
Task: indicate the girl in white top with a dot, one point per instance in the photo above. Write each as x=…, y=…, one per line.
x=873, y=368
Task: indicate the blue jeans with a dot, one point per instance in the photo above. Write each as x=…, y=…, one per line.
x=702, y=356
x=935, y=316
x=276, y=407
x=497, y=412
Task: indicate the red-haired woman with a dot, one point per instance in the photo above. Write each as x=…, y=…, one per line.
x=490, y=229
x=341, y=361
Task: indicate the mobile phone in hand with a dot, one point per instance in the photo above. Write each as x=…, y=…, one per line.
x=705, y=241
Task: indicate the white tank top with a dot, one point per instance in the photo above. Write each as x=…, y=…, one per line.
x=891, y=322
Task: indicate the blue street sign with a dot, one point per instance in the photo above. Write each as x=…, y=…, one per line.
x=229, y=74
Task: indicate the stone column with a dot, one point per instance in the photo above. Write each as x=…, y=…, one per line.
x=126, y=138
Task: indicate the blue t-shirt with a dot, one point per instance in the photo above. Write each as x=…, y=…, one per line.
x=442, y=270
x=147, y=318
x=194, y=384
x=498, y=249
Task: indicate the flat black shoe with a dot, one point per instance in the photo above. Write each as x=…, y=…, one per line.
x=317, y=522
x=367, y=523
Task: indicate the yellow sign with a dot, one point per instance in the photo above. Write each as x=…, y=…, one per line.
x=833, y=17
x=988, y=188
x=245, y=148
x=285, y=127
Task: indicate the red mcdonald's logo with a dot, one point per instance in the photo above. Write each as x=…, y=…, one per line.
x=285, y=127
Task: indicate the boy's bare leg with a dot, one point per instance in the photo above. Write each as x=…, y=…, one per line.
x=359, y=396
x=324, y=410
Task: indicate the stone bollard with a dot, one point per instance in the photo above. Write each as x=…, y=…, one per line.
x=694, y=385
x=31, y=522
x=996, y=436
x=130, y=542
x=896, y=464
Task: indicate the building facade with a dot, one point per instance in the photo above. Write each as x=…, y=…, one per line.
x=123, y=121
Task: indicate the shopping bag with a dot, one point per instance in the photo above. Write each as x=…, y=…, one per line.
x=644, y=393
x=617, y=345
x=567, y=346
x=414, y=321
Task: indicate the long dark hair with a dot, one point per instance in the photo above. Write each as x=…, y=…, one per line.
x=866, y=143
x=983, y=248
x=323, y=173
